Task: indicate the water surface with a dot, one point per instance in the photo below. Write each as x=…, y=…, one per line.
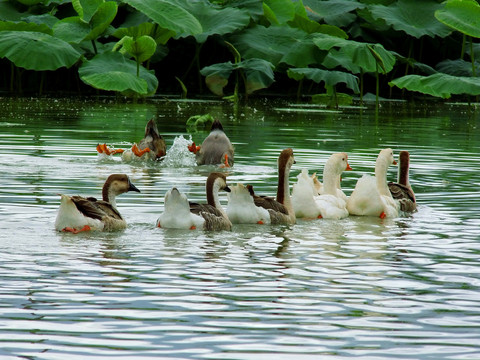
x=405, y=288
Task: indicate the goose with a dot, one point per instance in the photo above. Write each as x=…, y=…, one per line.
x=303, y=196
x=332, y=203
x=181, y=214
x=371, y=196
x=402, y=190
x=280, y=209
x=151, y=147
x=77, y=213
x=216, y=148
x=241, y=207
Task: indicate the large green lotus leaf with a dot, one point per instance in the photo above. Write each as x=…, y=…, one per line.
x=8, y=12
x=416, y=18
x=214, y=20
x=24, y=26
x=368, y=57
x=439, y=85
x=160, y=35
x=169, y=15
x=86, y=8
x=461, y=15
x=111, y=71
x=258, y=74
x=338, y=57
x=36, y=50
x=254, y=8
x=43, y=19
x=278, y=11
x=216, y=76
x=457, y=67
x=331, y=78
x=102, y=19
x=72, y=29
x=276, y=44
x=333, y=12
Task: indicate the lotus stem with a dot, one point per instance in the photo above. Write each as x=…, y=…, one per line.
x=472, y=57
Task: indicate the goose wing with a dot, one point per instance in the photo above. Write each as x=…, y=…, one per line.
x=269, y=203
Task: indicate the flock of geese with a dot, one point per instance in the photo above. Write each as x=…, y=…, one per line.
x=311, y=199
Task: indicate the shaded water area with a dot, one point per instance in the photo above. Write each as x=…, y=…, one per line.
x=363, y=287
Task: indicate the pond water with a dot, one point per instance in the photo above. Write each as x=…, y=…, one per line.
x=404, y=288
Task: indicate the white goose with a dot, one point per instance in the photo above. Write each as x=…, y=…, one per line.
x=303, y=196
x=332, y=203
x=371, y=195
x=78, y=214
x=402, y=190
x=241, y=207
x=180, y=214
x=280, y=209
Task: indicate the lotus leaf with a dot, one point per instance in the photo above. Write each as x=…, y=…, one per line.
x=258, y=75
x=461, y=15
x=214, y=20
x=102, y=19
x=24, y=26
x=71, y=29
x=161, y=36
x=141, y=48
x=457, y=67
x=333, y=12
x=36, y=50
x=86, y=8
x=439, y=85
x=331, y=78
x=8, y=12
x=277, y=44
x=412, y=17
x=30, y=2
x=169, y=15
x=279, y=11
x=368, y=57
x=111, y=71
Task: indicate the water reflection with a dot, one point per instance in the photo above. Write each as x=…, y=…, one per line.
x=362, y=287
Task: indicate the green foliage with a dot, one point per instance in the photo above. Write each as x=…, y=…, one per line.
x=111, y=71
x=415, y=18
x=461, y=15
x=258, y=75
x=271, y=40
x=439, y=85
x=196, y=121
x=34, y=50
x=330, y=78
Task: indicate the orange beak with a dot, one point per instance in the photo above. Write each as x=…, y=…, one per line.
x=348, y=167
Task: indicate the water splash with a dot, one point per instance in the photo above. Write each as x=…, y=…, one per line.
x=178, y=155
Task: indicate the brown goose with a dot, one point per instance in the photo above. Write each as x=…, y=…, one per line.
x=216, y=148
x=280, y=209
x=402, y=191
x=77, y=213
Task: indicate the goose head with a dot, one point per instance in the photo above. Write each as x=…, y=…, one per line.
x=115, y=185
x=340, y=163
x=176, y=202
x=386, y=157
x=286, y=159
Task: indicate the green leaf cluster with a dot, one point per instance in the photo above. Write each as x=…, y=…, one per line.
x=140, y=47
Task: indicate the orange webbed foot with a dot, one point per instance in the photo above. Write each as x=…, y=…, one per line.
x=139, y=152
x=260, y=222
x=193, y=227
x=225, y=163
x=76, y=231
x=104, y=149
x=193, y=148
x=319, y=217
x=383, y=215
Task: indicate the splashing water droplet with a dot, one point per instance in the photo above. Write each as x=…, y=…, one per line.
x=178, y=155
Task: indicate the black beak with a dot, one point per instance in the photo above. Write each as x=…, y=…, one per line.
x=132, y=187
